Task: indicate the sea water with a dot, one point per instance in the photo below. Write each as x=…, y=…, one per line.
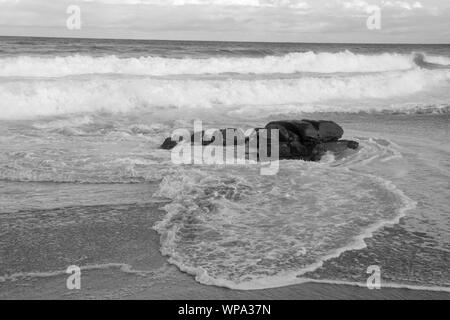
x=83, y=181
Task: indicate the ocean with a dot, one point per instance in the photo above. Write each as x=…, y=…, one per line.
x=83, y=181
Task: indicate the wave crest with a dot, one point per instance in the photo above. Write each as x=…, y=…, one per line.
x=297, y=62
x=28, y=99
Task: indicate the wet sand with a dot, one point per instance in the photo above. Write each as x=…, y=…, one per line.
x=175, y=285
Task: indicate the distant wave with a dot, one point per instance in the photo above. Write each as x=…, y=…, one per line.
x=28, y=99
x=420, y=60
x=345, y=61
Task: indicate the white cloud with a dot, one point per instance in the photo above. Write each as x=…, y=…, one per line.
x=255, y=20
x=398, y=4
x=298, y=4
x=365, y=6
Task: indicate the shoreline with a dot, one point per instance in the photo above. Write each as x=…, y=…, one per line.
x=306, y=291
x=151, y=277
x=169, y=283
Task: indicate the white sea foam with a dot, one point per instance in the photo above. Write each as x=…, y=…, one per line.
x=64, y=123
x=233, y=229
x=31, y=98
x=439, y=60
x=287, y=278
x=345, y=61
x=239, y=230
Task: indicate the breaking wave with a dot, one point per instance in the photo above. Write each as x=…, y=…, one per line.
x=436, y=63
x=345, y=61
x=31, y=98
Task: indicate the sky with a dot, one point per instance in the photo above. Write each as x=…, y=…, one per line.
x=403, y=21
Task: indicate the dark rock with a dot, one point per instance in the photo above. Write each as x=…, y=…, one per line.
x=307, y=131
x=238, y=135
x=299, y=150
x=305, y=140
x=285, y=150
x=317, y=152
x=340, y=146
x=169, y=144
x=294, y=130
x=305, y=137
x=200, y=136
x=328, y=130
x=336, y=147
x=352, y=144
x=239, y=138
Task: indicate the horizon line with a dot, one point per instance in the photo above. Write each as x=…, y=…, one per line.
x=222, y=41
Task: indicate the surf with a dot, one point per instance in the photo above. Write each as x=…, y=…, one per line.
x=420, y=60
x=31, y=98
x=294, y=62
x=243, y=231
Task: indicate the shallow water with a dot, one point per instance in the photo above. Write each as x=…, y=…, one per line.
x=82, y=179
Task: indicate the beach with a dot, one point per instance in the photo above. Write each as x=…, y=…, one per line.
x=83, y=181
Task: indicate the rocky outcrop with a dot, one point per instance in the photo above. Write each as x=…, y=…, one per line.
x=298, y=139
x=305, y=139
x=169, y=144
x=307, y=130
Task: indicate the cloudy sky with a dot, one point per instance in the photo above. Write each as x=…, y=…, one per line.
x=411, y=21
